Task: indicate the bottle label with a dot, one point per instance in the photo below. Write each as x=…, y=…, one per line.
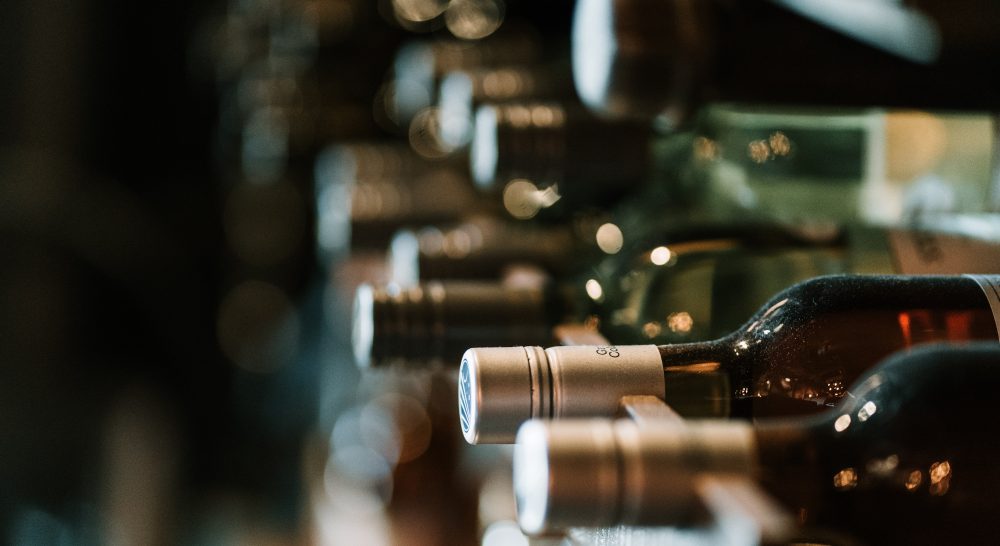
x=991, y=287
x=927, y=253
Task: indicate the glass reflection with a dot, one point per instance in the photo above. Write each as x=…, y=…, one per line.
x=866, y=411
x=523, y=200
x=652, y=329
x=474, y=19
x=845, y=479
x=660, y=255
x=913, y=480
x=418, y=11
x=609, y=238
x=842, y=422
x=680, y=322
x=594, y=290
x=940, y=476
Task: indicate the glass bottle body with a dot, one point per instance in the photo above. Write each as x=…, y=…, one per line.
x=809, y=343
x=701, y=289
x=872, y=166
x=904, y=459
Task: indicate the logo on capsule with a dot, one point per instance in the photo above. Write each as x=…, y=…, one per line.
x=608, y=350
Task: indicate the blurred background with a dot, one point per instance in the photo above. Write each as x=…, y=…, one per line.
x=175, y=364
x=191, y=194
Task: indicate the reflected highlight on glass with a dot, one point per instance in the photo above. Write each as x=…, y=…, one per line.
x=610, y=238
x=845, y=479
x=842, y=423
x=866, y=411
x=940, y=475
x=660, y=255
x=594, y=290
x=474, y=19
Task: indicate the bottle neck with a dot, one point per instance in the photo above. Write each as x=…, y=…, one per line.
x=694, y=357
x=436, y=322
x=481, y=248
x=799, y=353
x=695, y=381
x=787, y=462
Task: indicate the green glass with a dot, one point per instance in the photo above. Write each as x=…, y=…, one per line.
x=872, y=166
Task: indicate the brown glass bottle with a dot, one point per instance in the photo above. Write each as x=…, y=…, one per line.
x=907, y=458
x=796, y=355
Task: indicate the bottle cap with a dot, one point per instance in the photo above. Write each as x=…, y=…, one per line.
x=552, y=144
x=420, y=64
x=640, y=58
x=358, y=184
x=434, y=322
x=599, y=473
x=462, y=91
x=500, y=388
x=364, y=194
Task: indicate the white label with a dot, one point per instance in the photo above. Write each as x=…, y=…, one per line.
x=928, y=253
x=991, y=287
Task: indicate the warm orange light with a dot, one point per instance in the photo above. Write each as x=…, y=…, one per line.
x=904, y=327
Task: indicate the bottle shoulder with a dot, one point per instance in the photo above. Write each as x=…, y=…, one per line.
x=845, y=291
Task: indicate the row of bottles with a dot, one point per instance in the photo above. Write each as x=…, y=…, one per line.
x=730, y=227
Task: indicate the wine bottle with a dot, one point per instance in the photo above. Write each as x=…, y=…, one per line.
x=483, y=247
x=462, y=92
x=797, y=354
x=542, y=153
x=691, y=284
x=877, y=167
x=649, y=58
x=906, y=458
x=366, y=192
x=420, y=65
x=784, y=164
x=435, y=321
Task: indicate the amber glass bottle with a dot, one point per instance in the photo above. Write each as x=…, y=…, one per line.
x=796, y=355
x=905, y=459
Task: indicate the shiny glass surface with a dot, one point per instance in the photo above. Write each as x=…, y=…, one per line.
x=842, y=165
x=801, y=351
x=906, y=458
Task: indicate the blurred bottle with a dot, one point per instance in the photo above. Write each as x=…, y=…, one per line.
x=365, y=192
x=887, y=168
x=685, y=289
x=485, y=247
x=903, y=460
x=463, y=91
x=693, y=290
x=796, y=355
x=431, y=324
x=420, y=65
x=542, y=154
x=791, y=165
x=647, y=58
